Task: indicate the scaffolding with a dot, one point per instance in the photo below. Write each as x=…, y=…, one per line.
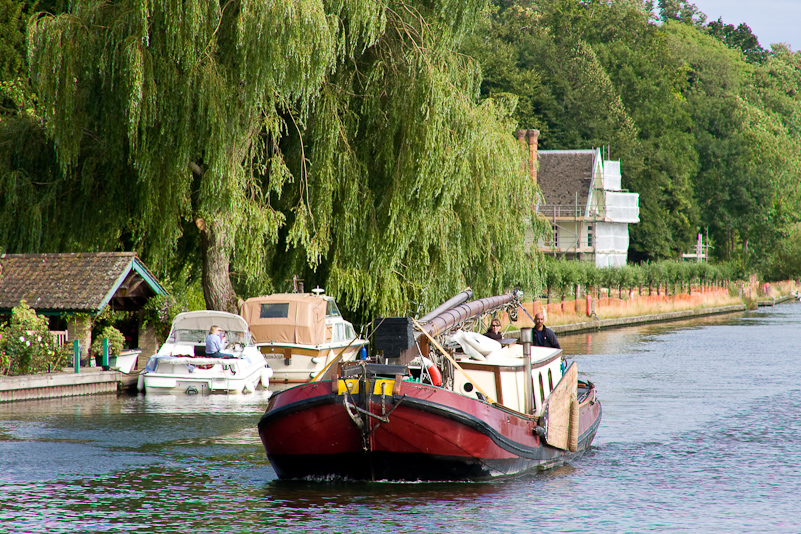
x=598, y=230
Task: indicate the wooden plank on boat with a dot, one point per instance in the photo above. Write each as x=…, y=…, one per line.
x=574, y=425
x=558, y=410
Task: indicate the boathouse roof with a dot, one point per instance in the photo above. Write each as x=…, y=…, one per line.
x=565, y=176
x=85, y=282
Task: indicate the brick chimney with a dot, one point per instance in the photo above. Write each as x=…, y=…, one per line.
x=532, y=154
x=528, y=140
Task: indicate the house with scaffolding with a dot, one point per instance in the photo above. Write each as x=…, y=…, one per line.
x=582, y=199
x=588, y=210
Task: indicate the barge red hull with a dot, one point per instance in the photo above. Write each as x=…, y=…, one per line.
x=419, y=432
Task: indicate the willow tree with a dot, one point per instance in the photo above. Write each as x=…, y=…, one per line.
x=344, y=137
x=415, y=190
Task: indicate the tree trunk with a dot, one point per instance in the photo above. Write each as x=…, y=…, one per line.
x=730, y=245
x=217, y=288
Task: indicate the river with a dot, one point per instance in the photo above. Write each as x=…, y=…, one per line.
x=701, y=433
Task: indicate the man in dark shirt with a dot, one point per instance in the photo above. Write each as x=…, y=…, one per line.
x=544, y=337
x=494, y=331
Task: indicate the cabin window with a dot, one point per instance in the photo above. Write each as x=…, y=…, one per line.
x=550, y=380
x=542, y=389
x=274, y=310
x=350, y=333
x=331, y=309
x=339, y=332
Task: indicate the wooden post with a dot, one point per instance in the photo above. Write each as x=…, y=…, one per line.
x=77, y=354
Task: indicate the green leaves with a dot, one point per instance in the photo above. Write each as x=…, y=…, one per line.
x=343, y=140
x=26, y=344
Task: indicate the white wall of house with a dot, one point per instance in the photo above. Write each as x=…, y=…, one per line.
x=622, y=207
x=612, y=244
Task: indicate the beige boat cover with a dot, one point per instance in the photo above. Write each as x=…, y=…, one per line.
x=304, y=324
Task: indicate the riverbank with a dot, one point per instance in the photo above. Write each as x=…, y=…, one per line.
x=67, y=383
x=600, y=324
x=631, y=307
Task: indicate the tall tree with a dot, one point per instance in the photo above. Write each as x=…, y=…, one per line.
x=740, y=38
x=681, y=11
x=595, y=73
x=748, y=176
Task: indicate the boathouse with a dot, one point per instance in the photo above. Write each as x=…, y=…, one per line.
x=70, y=289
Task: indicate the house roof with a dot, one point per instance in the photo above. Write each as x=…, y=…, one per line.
x=564, y=174
x=76, y=283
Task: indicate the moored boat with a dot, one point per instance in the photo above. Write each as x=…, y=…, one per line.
x=182, y=366
x=126, y=360
x=300, y=333
x=443, y=416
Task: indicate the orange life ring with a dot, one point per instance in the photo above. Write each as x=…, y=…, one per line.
x=433, y=372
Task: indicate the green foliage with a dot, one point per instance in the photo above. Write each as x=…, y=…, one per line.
x=740, y=38
x=341, y=142
x=116, y=341
x=681, y=11
x=564, y=275
x=600, y=74
x=367, y=146
x=159, y=312
x=26, y=344
x=12, y=39
x=786, y=262
x=747, y=142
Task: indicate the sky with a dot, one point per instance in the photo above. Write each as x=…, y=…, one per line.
x=772, y=21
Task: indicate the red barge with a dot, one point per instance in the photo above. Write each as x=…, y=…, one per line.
x=459, y=413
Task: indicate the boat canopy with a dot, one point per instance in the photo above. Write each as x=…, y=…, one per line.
x=205, y=319
x=287, y=318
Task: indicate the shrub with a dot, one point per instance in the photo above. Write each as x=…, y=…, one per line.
x=115, y=341
x=160, y=310
x=26, y=344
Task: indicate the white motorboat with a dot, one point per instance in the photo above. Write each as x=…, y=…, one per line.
x=181, y=364
x=300, y=334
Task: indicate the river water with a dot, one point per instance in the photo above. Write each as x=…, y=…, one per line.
x=701, y=433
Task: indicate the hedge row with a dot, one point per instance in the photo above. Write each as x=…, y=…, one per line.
x=564, y=277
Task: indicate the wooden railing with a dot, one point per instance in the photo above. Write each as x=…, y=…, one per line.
x=62, y=337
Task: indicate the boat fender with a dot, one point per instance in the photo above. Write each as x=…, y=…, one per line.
x=266, y=373
x=481, y=343
x=433, y=372
x=468, y=349
x=539, y=431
